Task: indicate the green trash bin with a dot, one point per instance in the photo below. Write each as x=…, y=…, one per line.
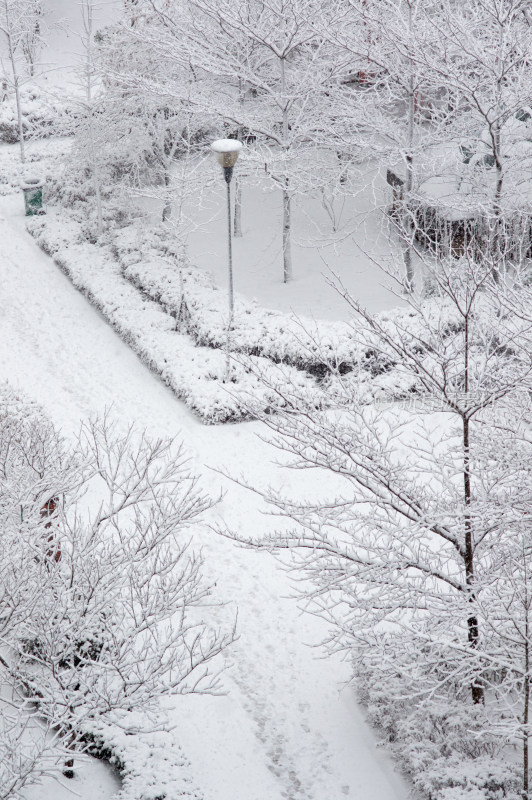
x=32, y=188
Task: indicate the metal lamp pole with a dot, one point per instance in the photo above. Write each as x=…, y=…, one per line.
x=227, y=152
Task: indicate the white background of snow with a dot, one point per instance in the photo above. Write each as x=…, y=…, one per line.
x=288, y=726
x=287, y=711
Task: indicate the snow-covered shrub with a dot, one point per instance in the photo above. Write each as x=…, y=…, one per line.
x=14, y=405
x=72, y=188
x=348, y=359
x=319, y=348
x=448, y=749
x=43, y=160
x=196, y=374
x=42, y=115
x=151, y=765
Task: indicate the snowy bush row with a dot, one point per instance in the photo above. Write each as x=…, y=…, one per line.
x=345, y=362
x=176, y=320
x=448, y=749
x=317, y=347
x=41, y=115
x=151, y=764
x=345, y=357
x=196, y=374
x=42, y=161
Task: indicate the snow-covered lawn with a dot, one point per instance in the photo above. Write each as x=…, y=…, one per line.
x=318, y=252
x=288, y=727
x=93, y=780
x=353, y=251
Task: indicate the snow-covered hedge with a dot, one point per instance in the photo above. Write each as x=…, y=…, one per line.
x=333, y=352
x=449, y=749
x=196, y=374
x=175, y=318
x=42, y=161
x=317, y=347
x=42, y=115
x=151, y=764
x=347, y=358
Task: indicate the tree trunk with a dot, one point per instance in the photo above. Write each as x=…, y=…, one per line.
x=497, y=224
x=167, y=209
x=96, y=182
x=237, y=229
x=287, y=246
x=16, y=85
x=407, y=222
x=526, y=711
x=68, y=764
x=477, y=690
x=526, y=685
x=19, y=119
x=408, y=229
x=287, y=220
x=95, y=175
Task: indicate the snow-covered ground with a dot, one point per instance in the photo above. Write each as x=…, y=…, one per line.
x=63, y=27
x=94, y=779
x=319, y=254
x=288, y=726
x=349, y=238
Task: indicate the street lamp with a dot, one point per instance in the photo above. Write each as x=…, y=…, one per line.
x=227, y=151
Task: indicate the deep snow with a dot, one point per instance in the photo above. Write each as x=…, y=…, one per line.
x=288, y=727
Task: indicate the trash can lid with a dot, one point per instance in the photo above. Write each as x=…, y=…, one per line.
x=31, y=183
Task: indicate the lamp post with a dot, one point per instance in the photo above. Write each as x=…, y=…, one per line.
x=227, y=151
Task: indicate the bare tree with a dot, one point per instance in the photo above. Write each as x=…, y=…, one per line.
x=87, y=127
x=101, y=591
x=19, y=22
x=385, y=108
x=32, y=37
x=401, y=540
x=154, y=138
x=263, y=69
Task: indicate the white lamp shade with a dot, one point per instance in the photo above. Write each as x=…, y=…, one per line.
x=227, y=151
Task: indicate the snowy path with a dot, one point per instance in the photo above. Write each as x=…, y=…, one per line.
x=287, y=728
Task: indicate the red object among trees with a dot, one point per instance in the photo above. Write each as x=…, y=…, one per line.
x=53, y=553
